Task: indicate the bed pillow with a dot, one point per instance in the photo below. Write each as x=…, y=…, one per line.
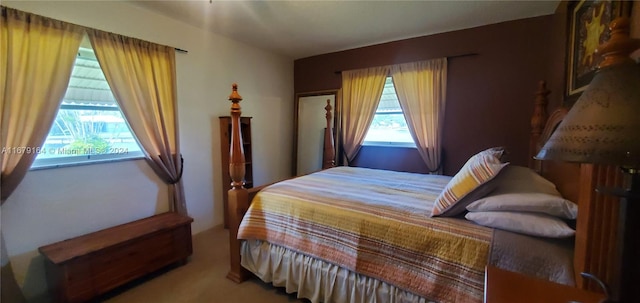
x=469, y=184
x=521, y=189
x=532, y=224
x=526, y=202
x=519, y=179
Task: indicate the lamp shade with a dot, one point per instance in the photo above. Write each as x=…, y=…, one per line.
x=603, y=126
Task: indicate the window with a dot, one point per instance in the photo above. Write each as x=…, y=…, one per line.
x=89, y=126
x=389, y=126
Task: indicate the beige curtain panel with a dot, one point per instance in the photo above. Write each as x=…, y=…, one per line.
x=361, y=92
x=36, y=59
x=421, y=88
x=142, y=77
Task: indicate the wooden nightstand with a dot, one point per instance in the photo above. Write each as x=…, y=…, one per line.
x=501, y=286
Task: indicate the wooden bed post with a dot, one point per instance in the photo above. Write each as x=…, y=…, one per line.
x=238, y=195
x=596, y=229
x=538, y=121
x=329, y=154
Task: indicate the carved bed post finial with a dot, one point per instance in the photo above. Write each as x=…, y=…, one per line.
x=328, y=109
x=238, y=195
x=618, y=48
x=328, y=155
x=236, y=154
x=538, y=121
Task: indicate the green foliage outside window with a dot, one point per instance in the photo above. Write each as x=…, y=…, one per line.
x=91, y=145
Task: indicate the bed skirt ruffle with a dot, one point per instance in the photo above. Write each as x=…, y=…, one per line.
x=317, y=280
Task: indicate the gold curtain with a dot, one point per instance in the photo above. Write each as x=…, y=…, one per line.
x=36, y=59
x=361, y=92
x=142, y=77
x=421, y=88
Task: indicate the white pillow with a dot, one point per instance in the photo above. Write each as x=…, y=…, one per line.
x=527, y=202
x=521, y=189
x=532, y=224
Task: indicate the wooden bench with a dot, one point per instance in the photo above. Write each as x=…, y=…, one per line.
x=82, y=268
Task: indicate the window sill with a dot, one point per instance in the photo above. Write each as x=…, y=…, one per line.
x=82, y=160
x=390, y=144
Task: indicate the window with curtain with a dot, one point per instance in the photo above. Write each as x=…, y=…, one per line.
x=389, y=127
x=89, y=126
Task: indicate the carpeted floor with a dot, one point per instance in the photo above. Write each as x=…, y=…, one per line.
x=201, y=280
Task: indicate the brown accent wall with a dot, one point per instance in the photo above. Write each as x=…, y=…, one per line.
x=489, y=96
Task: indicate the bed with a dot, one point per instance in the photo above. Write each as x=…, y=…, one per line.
x=382, y=248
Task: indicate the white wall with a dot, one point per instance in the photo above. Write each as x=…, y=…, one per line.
x=56, y=204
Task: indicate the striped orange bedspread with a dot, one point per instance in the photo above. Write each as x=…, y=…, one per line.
x=375, y=223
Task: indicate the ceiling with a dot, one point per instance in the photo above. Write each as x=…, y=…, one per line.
x=300, y=29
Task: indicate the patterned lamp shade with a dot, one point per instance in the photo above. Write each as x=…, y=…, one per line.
x=603, y=126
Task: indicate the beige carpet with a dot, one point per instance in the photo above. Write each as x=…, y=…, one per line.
x=202, y=279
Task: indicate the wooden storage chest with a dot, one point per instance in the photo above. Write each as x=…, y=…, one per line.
x=82, y=268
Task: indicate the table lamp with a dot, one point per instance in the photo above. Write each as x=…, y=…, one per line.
x=603, y=127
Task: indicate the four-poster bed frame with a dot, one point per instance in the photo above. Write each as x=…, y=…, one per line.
x=597, y=217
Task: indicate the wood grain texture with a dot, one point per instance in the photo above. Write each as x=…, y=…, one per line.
x=503, y=286
x=596, y=229
x=225, y=149
x=238, y=195
x=538, y=120
x=82, y=268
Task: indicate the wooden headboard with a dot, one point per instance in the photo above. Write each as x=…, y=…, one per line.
x=596, y=226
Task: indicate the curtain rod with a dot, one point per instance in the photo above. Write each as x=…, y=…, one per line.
x=448, y=57
x=86, y=27
x=462, y=55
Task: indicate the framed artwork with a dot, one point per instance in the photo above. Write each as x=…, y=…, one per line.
x=588, y=28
